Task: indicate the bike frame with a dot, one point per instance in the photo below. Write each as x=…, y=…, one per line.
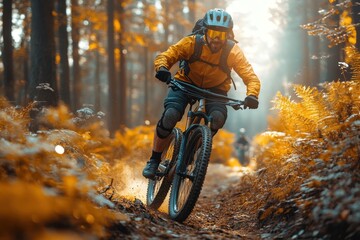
x=193, y=120
x=194, y=117
x=193, y=151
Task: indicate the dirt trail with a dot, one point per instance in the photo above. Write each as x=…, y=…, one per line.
x=210, y=218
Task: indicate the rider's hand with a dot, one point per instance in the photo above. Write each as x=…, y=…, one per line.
x=163, y=75
x=251, y=102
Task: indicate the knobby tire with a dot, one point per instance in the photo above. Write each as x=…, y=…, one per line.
x=158, y=188
x=196, y=159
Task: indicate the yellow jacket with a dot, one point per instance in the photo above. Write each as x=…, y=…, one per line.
x=204, y=75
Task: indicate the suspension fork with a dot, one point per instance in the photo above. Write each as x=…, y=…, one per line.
x=193, y=120
x=194, y=117
x=180, y=166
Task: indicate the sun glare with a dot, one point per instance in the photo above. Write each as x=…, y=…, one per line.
x=253, y=14
x=259, y=30
x=59, y=149
x=254, y=28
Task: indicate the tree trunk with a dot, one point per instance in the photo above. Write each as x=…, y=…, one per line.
x=76, y=73
x=131, y=119
x=356, y=20
x=192, y=11
x=63, y=49
x=166, y=23
x=333, y=73
x=43, y=88
x=8, y=51
x=314, y=66
x=97, y=82
x=146, y=83
x=305, y=41
x=24, y=97
x=112, y=102
x=123, y=79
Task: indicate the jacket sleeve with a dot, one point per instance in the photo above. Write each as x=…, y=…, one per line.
x=242, y=67
x=181, y=50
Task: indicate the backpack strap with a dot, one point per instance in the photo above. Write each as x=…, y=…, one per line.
x=199, y=43
x=224, y=56
x=223, y=59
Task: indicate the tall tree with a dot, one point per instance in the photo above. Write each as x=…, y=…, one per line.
x=23, y=93
x=123, y=79
x=356, y=20
x=63, y=50
x=112, y=101
x=8, y=51
x=97, y=87
x=192, y=11
x=146, y=82
x=314, y=67
x=76, y=71
x=43, y=86
x=311, y=49
x=333, y=70
x=305, y=48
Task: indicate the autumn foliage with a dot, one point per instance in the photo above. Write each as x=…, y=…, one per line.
x=307, y=168
x=41, y=189
x=308, y=164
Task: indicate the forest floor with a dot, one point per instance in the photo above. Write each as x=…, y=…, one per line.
x=212, y=217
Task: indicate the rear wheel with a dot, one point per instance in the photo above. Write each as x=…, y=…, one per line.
x=188, y=182
x=159, y=187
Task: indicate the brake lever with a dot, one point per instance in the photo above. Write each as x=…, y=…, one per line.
x=237, y=107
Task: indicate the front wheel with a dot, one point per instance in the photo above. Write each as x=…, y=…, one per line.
x=159, y=187
x=190, y=176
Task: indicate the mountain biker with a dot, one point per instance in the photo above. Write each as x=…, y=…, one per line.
x=204, y=73
x=242, y=145
x=242, y=138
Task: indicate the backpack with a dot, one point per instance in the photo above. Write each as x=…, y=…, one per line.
x=199, y=31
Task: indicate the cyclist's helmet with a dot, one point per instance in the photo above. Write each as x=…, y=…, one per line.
x=242, y=131
x=218, y=19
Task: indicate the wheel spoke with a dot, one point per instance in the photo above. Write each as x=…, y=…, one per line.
x=158, y=187
x=188, y=182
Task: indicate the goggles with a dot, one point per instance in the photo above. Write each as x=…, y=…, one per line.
x=216, y=34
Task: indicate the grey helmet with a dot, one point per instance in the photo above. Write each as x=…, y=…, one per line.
x=218, y=19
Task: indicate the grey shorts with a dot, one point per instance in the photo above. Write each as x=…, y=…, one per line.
x=179, y=100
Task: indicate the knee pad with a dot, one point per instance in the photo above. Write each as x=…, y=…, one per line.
x=218, y=120
x=167, y=122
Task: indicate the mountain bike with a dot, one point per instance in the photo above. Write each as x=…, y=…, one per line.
x=186, y=156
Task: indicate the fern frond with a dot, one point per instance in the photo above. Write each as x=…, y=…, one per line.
x=356, y=67
x=315, y=107
x=292, y=116
x=343, y=98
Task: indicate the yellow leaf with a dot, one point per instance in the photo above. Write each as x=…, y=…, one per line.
x=93, y=46
x=140, y=40
x=86, y=135
x=70, y=185
x=57, y=58
x=117, y=25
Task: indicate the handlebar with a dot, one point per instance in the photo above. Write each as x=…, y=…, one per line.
x=197, y=92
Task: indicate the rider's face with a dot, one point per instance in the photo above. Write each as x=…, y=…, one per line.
x=215, y=39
